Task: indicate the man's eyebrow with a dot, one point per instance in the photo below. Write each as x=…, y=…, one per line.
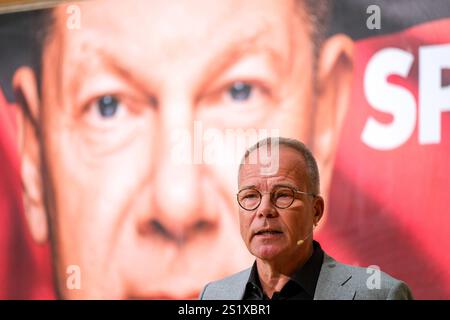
x=288, y=185
x=238, y=47
x=107, y=60
x=248, y=187
x=120, y=68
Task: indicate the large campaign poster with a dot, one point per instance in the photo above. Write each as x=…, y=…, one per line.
x=122, y=125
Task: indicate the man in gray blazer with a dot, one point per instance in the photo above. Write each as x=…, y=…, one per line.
x=279, y=207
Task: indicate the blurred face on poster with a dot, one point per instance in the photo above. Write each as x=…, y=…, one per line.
x=128, y=144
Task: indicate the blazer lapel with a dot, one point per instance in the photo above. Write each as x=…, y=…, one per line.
x=334, y=281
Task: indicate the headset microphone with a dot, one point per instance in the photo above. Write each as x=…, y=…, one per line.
x=301, y=241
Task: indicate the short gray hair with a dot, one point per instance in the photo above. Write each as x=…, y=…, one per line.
x=301, y=148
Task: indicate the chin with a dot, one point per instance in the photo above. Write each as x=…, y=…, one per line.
x=268, y=252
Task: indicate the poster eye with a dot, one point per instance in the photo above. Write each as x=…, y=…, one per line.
x=240, y=91
x=107, y=106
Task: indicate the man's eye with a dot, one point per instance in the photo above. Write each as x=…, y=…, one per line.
x=282, y=194
x=240, y=91
x=107, y=106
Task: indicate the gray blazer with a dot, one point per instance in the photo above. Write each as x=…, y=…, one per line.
x=336, y=281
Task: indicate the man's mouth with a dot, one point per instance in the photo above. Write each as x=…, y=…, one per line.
x=267, y=232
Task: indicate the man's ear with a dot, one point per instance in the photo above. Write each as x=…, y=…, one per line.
x=25, y=87
x=334, y=83
x=319, y=207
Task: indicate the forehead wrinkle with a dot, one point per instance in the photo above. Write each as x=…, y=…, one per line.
x=296, y=174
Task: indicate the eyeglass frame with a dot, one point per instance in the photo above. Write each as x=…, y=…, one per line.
x=294, y=190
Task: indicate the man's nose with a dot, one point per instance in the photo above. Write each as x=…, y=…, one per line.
x=266, y=208
x=179, y=212
x=179, y=215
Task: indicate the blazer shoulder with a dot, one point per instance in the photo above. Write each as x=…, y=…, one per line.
x=229, y=288
x=370, y=282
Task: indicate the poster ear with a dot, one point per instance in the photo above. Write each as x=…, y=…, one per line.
x=25, y=87
x=334, y=84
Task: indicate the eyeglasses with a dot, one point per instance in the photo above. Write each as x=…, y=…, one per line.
x=282, y=197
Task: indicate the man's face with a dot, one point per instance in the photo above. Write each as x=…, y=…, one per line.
x=271, y=233
x=138, y=222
